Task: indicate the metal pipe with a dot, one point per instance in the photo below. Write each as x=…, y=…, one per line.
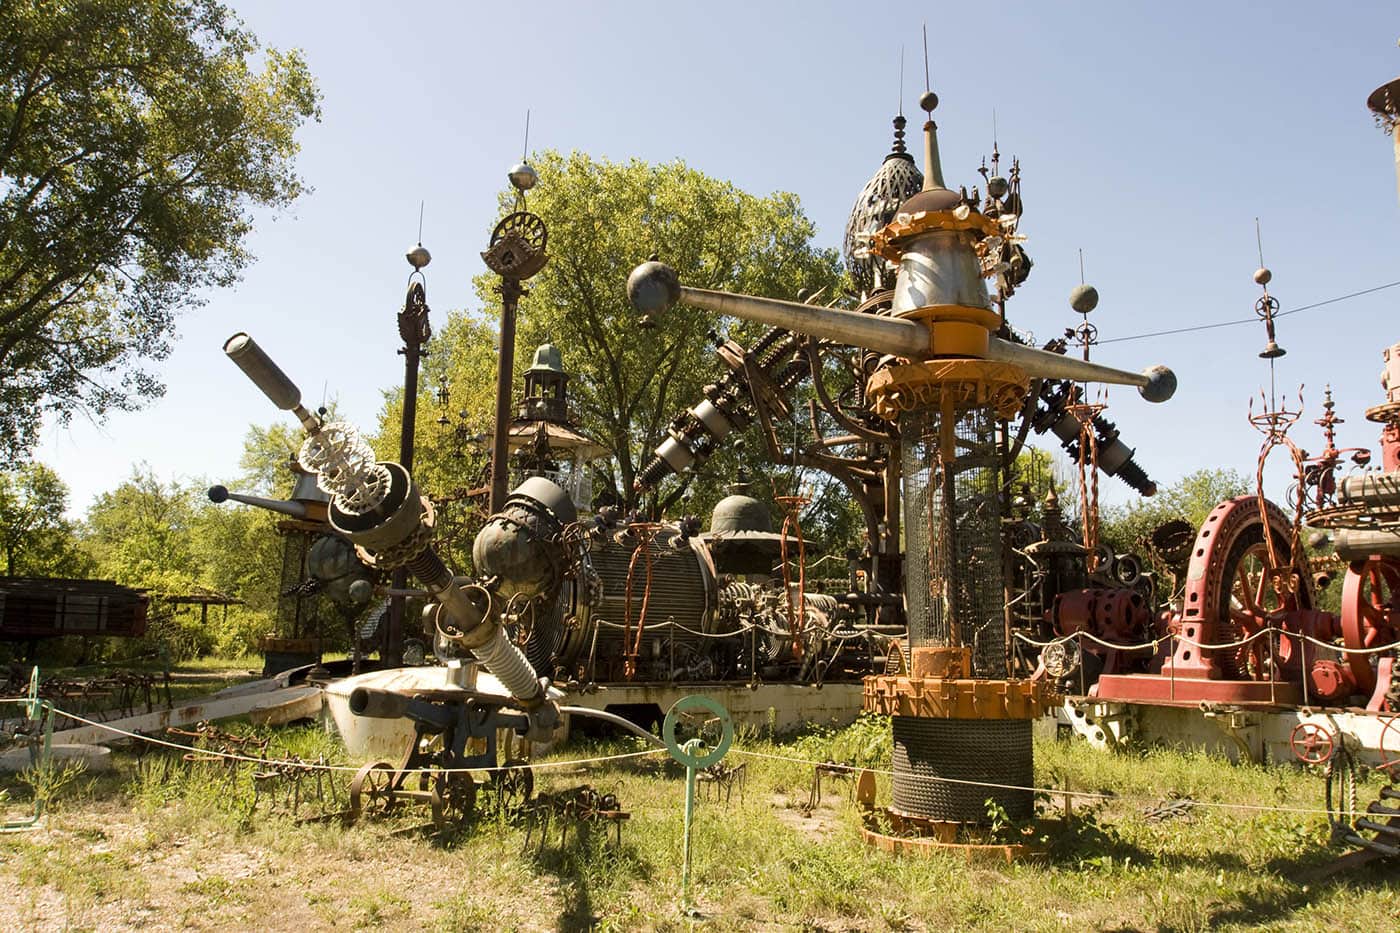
x=615, y=719
x=281, y=506
x=505, y=380
x=909, y=339
x=653, y=286
x=1155, y=383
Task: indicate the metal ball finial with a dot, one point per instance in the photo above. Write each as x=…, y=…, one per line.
x=522, y=176
x=928, y=101
x=418, y=257
x=1084, y=298
x=1263, y=276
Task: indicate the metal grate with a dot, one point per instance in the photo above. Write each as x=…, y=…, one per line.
x=929, y=752
x=953, y=577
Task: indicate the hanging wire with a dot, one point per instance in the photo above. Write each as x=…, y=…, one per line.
x=1253, y=320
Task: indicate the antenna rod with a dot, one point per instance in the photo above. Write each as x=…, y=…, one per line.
x=928, y=85
x=525, y=151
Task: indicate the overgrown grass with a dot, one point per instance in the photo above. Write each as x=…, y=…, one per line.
x=182, y=840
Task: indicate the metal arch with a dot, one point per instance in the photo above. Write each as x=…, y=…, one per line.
x=529, y=227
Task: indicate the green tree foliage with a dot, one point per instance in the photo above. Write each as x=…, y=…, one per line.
x=37, y=539
x=1190, y=498
x=604, y=218
x=167, y=538
x=135, y=137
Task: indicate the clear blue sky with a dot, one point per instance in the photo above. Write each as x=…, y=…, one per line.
x=1150, y=136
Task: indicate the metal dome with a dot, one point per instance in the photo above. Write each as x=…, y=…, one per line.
x=897, y=180
x=740, y=514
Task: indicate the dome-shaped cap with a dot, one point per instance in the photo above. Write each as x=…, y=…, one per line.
x=547, y=359
x=740, y=514
x=897, y=180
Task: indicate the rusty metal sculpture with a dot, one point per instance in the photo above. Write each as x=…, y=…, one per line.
x=956, y=713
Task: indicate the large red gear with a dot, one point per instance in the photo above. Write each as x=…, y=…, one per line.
x=1231, y=592
x=1370, y=613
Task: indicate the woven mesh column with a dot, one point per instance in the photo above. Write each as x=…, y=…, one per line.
x=953, y=586
x=986, y=751
x=954, y=596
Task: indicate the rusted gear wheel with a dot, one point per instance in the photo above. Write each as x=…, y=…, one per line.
x=1229, y=584
x=1370, y=608
x=514, y=786
x=455, y=796
x=372, y=791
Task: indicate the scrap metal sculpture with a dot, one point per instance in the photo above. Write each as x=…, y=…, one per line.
x=956, y=712
x=376, y=505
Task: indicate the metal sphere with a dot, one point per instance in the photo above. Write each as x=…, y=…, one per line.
x=998, y=186
x=523, y=177
x=1084, y=298
x=928, y=101
x=653, y=287
x=1263, y=277
x=418, y=257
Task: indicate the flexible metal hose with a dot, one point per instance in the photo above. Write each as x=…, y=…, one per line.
x=615, y=719
x=503, y=658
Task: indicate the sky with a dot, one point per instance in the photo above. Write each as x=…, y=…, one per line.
x=1150, y=137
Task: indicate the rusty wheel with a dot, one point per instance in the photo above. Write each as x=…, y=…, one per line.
x=455, y=792
x=1370, y=598
x=1232, y=591
x=1390, y=748
x=514, y=786
x=1311, y=744
x=372, y=790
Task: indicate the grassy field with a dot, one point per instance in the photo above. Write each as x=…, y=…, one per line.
x=161, y=843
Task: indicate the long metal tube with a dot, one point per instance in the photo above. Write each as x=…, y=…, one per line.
x=615, y=719
x=654, y=286
x=909, y=339
x=281, y=506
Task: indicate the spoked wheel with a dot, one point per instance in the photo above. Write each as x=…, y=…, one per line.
x=1378, y=827
x=1341, y=794
x=453, y=798
x=1232, y=590
x=514, y=786
x=1370, y=600
x=372, y=791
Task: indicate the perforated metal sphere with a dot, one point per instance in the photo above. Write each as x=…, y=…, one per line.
x=928, y=101
x=998, y=186
x=1084, y=298
x=523, y=177
x=418, y=257
x=1263, y=277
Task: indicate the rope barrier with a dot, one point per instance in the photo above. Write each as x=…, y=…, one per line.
x=313, y=766
x=1056, y=791
x=1155, y=643
x=295, y=764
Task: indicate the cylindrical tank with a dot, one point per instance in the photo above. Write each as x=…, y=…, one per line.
x=680, y=608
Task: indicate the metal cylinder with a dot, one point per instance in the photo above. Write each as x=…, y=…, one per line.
x=265, y=374
x=940, y=268
x=932, y=757
x=953, y=577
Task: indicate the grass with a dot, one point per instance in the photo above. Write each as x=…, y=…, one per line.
x=162, y=841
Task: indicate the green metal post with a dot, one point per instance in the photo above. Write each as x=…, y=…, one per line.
x=691, y=747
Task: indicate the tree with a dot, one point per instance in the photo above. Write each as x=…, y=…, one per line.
x=604, y=218
x=1190, y=498
x=37, y=539
x=135, y=138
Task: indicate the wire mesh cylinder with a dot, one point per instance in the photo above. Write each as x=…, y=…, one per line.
x=953, y=572
x=931, y=754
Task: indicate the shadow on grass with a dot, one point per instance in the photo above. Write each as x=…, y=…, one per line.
x=586, y=863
